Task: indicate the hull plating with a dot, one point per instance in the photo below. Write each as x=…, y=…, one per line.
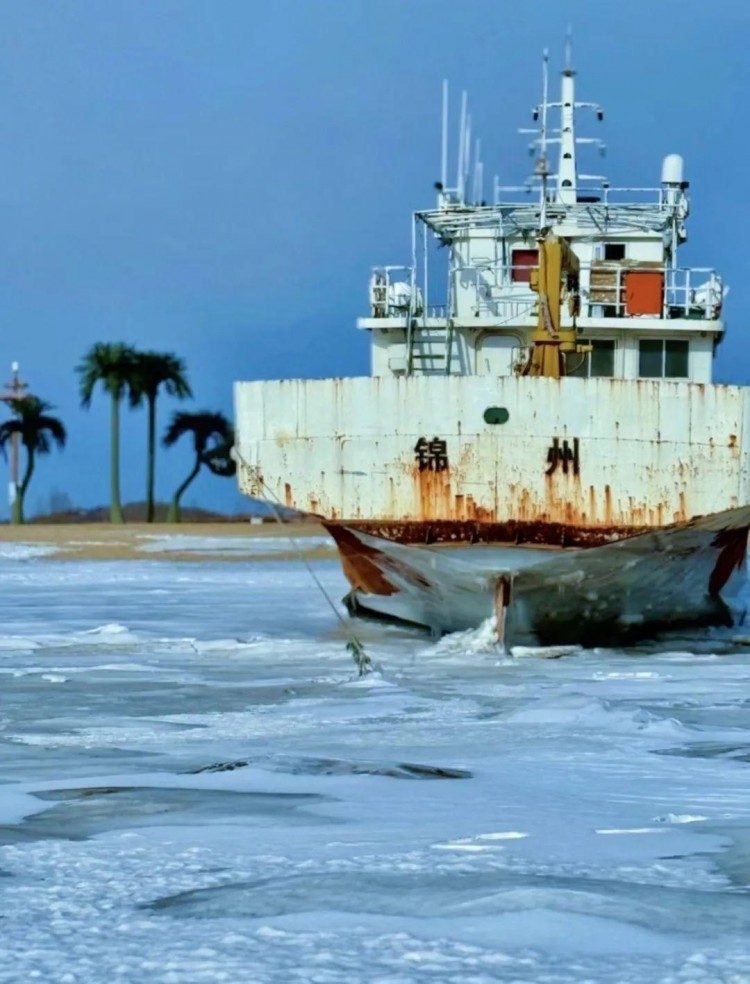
x=661, y=580
x=572, y=462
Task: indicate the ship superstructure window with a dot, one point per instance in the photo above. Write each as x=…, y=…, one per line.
x=600, y=361
x=523, y=262
x=663, y=358
x=614, y=251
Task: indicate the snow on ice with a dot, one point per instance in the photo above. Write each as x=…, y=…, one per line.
x=194, y=786
x=228, y=545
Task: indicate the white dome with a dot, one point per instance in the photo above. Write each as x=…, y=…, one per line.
x=672, y=169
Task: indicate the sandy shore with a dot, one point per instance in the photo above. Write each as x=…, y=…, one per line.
x=136, y=541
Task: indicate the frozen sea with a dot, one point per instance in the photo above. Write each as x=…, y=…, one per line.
x=196, y=787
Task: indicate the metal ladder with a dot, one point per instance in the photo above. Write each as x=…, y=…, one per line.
x=416, y=334
x=431, y=337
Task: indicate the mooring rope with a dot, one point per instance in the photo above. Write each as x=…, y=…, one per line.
x=354, y=645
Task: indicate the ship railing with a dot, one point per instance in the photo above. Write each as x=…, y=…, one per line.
x=650, y=289
x=693, y=292
x=394, y=293
x=607, y=290
x=663, y=198
x=600, y=209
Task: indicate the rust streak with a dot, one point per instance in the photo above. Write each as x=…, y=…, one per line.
x=360, y=563
x=433, y=492
x=683, y=513
x=530, y=532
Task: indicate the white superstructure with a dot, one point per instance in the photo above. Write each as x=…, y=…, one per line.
x=645, y=315
x=455, y=436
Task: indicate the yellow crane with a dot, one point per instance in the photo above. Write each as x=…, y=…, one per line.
x=555, y=280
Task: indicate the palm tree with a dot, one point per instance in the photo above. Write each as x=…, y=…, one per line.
x=112, y=365
x=213, y=439
x=36, y=430
x=153, y=370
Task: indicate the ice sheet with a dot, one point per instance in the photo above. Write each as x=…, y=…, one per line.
x=25, y=551
x=255, y=545
x=194, y=786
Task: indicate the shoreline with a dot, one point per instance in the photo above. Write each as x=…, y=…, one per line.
x=140, y=541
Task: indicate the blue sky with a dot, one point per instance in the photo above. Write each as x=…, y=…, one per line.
x=216, y=177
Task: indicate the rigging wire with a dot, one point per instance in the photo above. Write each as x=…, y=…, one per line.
x=354, y=645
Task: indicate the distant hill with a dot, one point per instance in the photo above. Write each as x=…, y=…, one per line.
x=135, y=512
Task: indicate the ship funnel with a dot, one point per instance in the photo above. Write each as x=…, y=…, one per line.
x=672, y=170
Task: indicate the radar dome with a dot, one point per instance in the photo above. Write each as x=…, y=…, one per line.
x=671, y=169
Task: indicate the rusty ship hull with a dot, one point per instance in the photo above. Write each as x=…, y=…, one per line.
x=541, y=374
x=573, y=462
x=684, y=576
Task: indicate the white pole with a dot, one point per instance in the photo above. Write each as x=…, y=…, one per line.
x=461, y=146
x=543, y=140
x=425, y=283
x=545, y=96
x=413, y=273
x=567, y=177
x=444, y=139
x=467, y=159
x=476, y=191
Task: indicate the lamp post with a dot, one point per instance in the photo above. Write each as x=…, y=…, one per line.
x=14, y=390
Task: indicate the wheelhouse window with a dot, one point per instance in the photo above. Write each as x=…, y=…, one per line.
x=523, y=262
x=663, y=358
x=600, y=361
x=614, y=251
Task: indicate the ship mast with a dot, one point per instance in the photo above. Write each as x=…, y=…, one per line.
x=566, y=192
x=556, y=277
x=541, y=169
x=567, y=174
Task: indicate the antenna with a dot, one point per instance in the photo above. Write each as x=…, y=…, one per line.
x=467, y=158
x=545, y=94
x=461, y=147
x=565, y=136
x=444, y=140
x=478, y=168
x=541, y=164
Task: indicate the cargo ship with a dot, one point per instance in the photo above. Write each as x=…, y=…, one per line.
x=541, y=368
